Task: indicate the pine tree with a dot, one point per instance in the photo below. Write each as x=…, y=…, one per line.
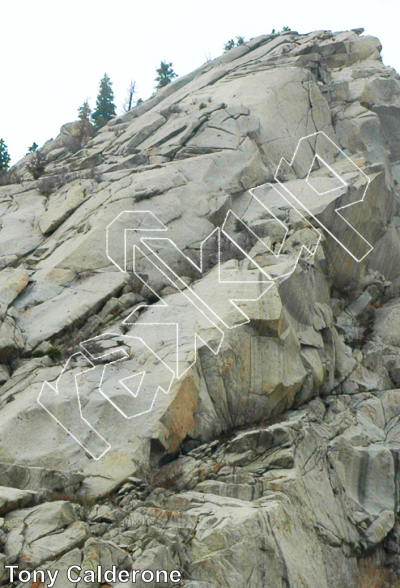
x=86, y=129
x=37, y=164
x=165, y=75
x=32, y=148
x=4, y=157
x=231, y=43
x=84, y=112
x=105, y=107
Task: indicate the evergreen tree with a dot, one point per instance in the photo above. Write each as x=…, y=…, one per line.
x=32, y=148
x=231, y=43
x=105, y=107
x=85, y=112
x=4, y=157
x=165, y=75
x=37, y=164
x=86, y=129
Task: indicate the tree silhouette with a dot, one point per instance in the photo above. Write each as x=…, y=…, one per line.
x=4, y=157
x=165, y=75
x=86, y=129
x=105, y=107
x=231, y=43
x=32, y=148
x=128, y=104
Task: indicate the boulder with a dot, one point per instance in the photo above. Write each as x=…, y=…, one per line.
x=12, y=499
x=43, y=532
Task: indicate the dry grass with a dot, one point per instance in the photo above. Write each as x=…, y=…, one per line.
x=85, y=502
x=246, y=413
x=46, y=186
x=374, y=575
x=73, y=144
x=9, y=177
x=169, y=476
x=244, y=416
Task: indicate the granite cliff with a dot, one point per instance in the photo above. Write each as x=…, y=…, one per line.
x=277, y=418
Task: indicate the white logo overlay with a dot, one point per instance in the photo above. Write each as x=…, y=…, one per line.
x=195, y=311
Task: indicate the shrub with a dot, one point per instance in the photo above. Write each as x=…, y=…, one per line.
x=231, y=43
x=54, y=353
x=84, y=501
x=238, y=226
x=37, y=165
x=32, y=148
x=374, y=575
x=83, y=131
x=169, y=476
x=95, y=175
x=9, y=177
x=73, y=144
x=47, y=185
x=245, y=414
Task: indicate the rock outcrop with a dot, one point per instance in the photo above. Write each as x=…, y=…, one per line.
x=258, y=198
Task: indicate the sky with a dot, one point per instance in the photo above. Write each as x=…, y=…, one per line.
x=56, y=52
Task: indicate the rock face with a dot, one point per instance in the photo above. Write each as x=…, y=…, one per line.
x=225, y=254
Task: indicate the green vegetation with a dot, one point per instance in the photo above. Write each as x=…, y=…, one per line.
x=165, y=75
x=86, y=129
x=4, y=157
x=54, y=353
x=32, y=148
x=85, y=112
x=36, y=166
x=231, y=43
x=105, y=107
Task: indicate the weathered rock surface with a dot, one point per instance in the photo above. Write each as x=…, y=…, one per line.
x=11, y=498
x=235, y=174
x=43, y=533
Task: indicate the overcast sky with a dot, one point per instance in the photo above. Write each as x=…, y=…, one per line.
x=54, y=52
